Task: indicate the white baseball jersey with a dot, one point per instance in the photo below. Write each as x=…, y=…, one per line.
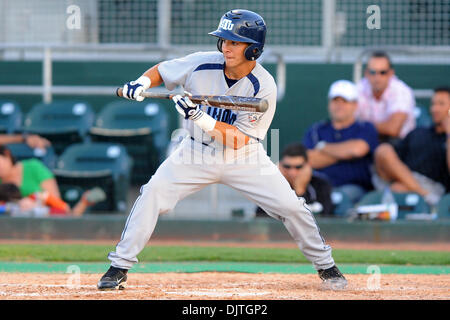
x=202, y=73
x=257, y=177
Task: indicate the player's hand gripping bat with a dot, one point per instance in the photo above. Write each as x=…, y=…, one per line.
x=225, y=102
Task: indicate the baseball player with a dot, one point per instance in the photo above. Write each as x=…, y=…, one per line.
x=223, y=147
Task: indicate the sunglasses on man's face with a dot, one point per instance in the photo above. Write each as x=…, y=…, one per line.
x=287, y=166
x=374, y=72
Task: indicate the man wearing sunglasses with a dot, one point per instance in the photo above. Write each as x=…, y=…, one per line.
x=298, y=172
x=342, y=147
x=385, y=100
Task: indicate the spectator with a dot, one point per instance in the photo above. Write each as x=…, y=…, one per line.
x=297, y=171
x=34, y=179
x=342, y=147
x=385, y=100
x=34, y=141
x=10, y=193
x=421, y=162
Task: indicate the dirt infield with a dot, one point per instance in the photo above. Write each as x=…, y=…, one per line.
x=223, y=286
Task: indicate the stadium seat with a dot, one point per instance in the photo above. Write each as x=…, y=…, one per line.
x=443, y=207
x=408, y=202
x=141, y=127
x=22, y=151
x=10, y=117
x=341, y=202
x=62, y=122
x=423, y=117
x=87, y=165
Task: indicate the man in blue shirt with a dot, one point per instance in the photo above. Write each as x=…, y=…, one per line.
x=341, y=147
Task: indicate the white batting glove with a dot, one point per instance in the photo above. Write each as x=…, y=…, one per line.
x=187, y=108
x=133, y=89
x=191, y=111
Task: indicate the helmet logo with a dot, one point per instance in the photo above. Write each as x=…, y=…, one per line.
x=226, y=24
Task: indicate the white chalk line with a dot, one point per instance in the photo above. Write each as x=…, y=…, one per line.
x=86, y=290
x=218, y=293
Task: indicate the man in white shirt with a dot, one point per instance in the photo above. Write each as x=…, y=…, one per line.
x=385, y=100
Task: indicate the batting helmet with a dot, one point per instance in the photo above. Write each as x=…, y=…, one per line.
x=242, y=26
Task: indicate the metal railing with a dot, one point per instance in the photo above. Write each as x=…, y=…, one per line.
x=47, y=89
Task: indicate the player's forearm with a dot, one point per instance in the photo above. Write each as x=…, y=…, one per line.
x=228, y=135
x=347, y=150
x=154, y=76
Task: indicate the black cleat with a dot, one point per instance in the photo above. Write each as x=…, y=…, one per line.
x=113, y=279
x=333, y=279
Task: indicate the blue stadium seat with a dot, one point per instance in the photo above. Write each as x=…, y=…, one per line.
x=62, y=122
x=408, y=202
x=10, y=117
x=141, y=127
x=87, y=165
x=341, y=202
x=423, y=117
x=443, y=207
x=22, y=151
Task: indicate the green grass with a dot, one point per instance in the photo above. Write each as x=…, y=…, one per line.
x=98, y=253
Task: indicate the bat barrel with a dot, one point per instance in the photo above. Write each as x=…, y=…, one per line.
x=228, y=102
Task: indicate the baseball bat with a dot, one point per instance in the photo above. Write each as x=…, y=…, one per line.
x=225, y=102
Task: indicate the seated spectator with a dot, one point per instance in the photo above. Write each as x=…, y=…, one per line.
x=34, y=141
x=35, y=180
x=10, y=193
x=342, y=148
x=421, y=162
x=315, y=190
x=385, y=100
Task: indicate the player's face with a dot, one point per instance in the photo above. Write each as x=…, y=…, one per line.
x=440, y=106
x=233, y=53
x=342, y=110
x=378, y=73
x=292, y=167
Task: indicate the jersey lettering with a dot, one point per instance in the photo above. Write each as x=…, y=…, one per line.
x=222, y=115
x=226, y=24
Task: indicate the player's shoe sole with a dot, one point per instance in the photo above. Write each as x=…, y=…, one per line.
x=106, y=287
x=332, y=279
x=335, y=284
x=113, y=279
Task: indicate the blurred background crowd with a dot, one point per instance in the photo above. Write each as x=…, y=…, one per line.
x=361, y=128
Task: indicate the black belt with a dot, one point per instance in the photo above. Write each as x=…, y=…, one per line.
x=205, y=144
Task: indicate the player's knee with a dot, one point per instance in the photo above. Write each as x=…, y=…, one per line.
x=290, y=206
x=156, y=185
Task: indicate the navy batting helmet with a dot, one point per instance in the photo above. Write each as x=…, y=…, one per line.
x=242, y=26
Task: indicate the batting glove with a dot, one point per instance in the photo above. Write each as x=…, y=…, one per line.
x=133, y=89
x=192, y=111
x=187, y=108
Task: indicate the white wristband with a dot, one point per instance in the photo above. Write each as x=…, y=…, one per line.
x=145, y=81
x=205, y=121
